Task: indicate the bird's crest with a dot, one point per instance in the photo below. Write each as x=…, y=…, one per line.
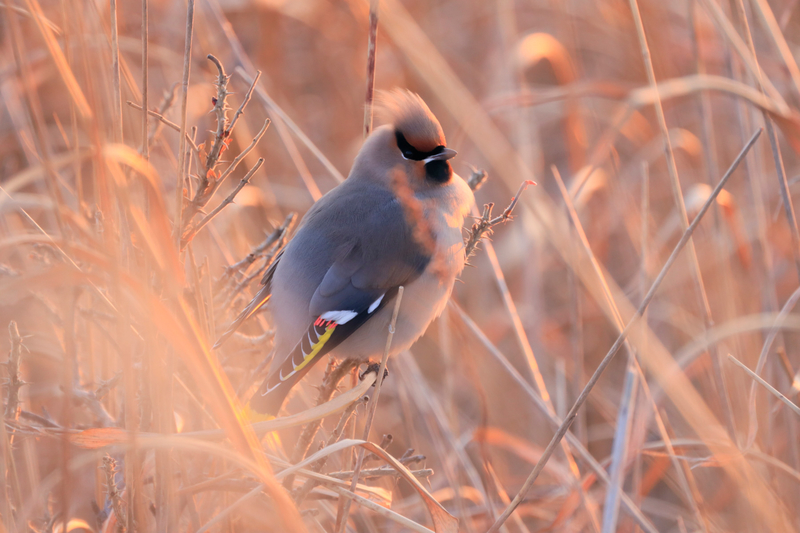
x=411, y=117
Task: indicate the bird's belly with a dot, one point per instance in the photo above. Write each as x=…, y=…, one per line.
x=424, y=299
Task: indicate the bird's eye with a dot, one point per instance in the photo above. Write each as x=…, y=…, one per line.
x=408, y=151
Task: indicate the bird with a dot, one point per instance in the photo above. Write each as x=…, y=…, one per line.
x=395, y=221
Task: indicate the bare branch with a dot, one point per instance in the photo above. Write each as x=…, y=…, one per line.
x=486, y=222
x=562, y=430
x=341, y=518
x=190, y=234
x=244, y=103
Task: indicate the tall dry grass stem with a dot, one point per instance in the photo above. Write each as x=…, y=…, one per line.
x=620, y=340
x=181, y=175
x=372, y=46
x=677, y=192
x=341, y=520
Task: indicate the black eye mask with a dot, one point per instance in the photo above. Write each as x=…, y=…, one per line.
x=439, y=171
x=409, y=152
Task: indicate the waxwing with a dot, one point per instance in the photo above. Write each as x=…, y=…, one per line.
x=395, y=221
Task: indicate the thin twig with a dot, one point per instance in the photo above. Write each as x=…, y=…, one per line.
x=486, y=222
x=777, y=157
x=270, y=104
x=164, y=120
x=766, y=385
x=341, y=520
x=238, y=159
x=208, y=218
x=775, y=32
x=181, y=176
x=333, y=376
x=677, y=193
x=762, y=360
x=791, y=219
x=562, y=430
x=748, y=59
x=244, y=103
x=208, y=188
x=166, y=104
x=269, y=259
x=333, y=438
x=279, y=233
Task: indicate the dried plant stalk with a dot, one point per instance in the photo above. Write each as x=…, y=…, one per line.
x=14, y=383
x=620, y=340
x=113, y=493
x=333, y=376
x=485, y=224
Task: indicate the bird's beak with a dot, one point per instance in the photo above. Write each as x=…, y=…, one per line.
x=444, y=155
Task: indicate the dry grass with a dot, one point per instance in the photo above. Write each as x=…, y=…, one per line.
x=622, y=356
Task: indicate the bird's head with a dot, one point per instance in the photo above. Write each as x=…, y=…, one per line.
x=410, y=140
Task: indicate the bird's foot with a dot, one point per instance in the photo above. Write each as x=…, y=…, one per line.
x=373, y=367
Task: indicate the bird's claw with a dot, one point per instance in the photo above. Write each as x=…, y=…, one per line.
x=373, y=367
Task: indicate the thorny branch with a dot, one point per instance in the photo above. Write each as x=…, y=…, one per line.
x=113, y=493
x=485, y=224
x=210, y=179
x=221, y=139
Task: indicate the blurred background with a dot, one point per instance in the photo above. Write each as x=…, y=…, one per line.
x=111, y=312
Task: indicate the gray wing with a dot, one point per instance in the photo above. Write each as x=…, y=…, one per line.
x=371, y=250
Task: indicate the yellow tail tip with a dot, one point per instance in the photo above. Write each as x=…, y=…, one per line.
x=253, y=416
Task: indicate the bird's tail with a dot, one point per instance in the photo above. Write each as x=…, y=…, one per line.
x=270, y=396
x=257, y=303
x=318, y=341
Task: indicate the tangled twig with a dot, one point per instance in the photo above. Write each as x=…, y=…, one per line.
x=110, y=470
x=333, y=375
x=333, y=438
x=210, y=179
x=279, y=235
x=485, y=224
